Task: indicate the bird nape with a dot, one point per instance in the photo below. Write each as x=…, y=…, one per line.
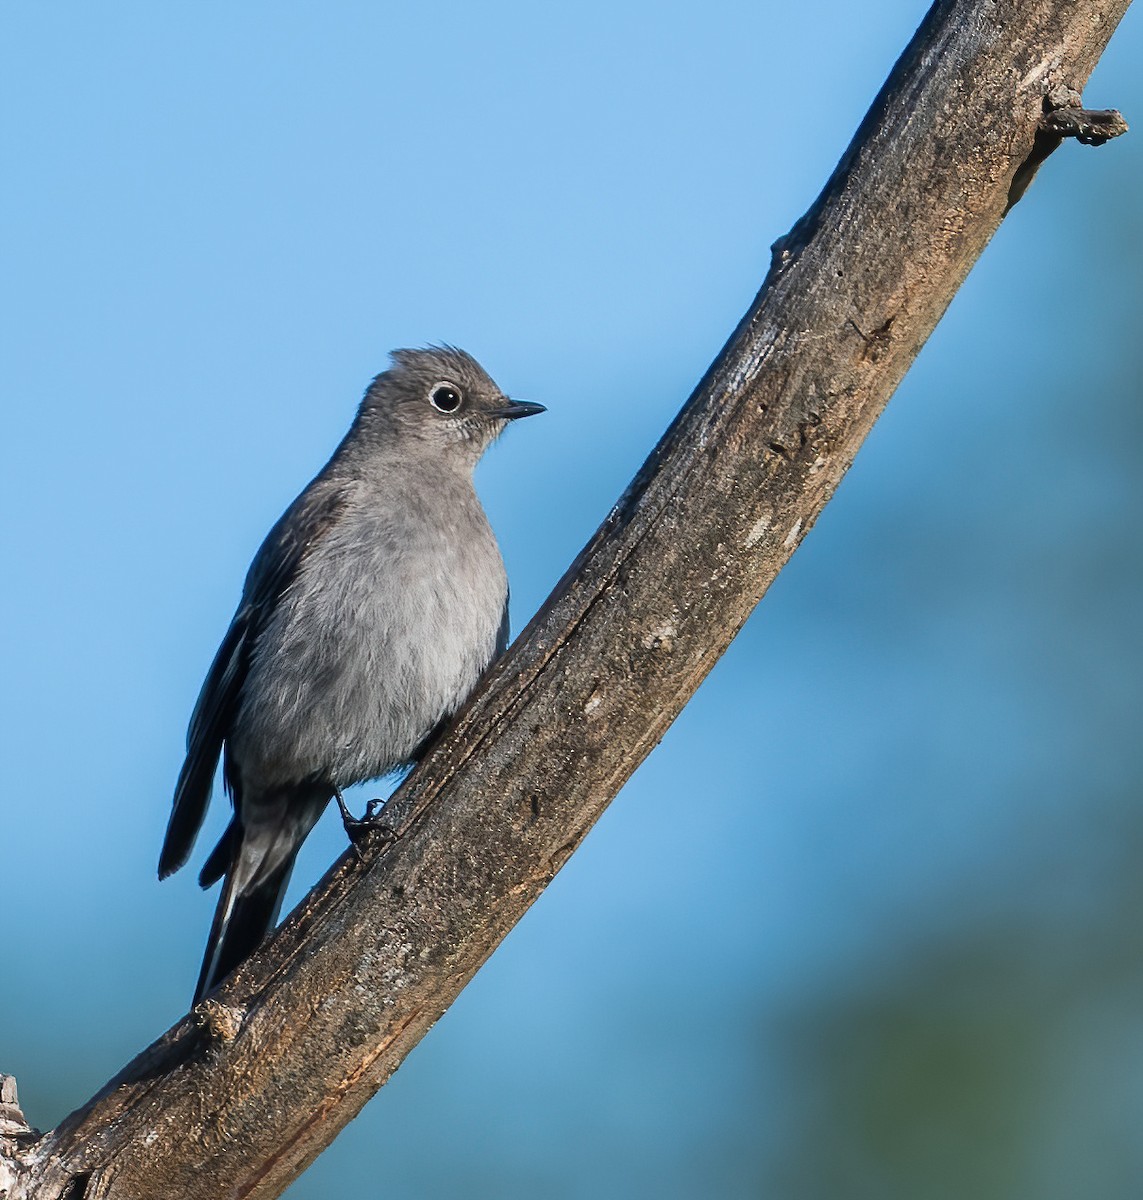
x=383, y=569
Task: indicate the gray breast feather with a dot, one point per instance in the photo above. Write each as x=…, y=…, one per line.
x=373, y=643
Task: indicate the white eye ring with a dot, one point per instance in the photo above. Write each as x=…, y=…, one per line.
x=446, y=397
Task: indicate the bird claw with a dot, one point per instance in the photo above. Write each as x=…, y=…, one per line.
x=357, y=829
x=371, y=811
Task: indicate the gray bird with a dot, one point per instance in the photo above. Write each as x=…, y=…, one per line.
x=371, y=610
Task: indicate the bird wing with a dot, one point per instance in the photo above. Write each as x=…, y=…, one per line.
x=275, y=567
x=504, y=633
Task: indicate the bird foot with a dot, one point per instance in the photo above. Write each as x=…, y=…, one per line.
x=358, y=828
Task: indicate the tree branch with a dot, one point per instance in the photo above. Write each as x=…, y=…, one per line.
x=16, y=1137
x=243, y=1093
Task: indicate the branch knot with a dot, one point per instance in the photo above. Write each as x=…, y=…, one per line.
x=221, y=1022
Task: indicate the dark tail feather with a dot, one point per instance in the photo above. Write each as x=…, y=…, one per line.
x=241, y=921
x=219, y=860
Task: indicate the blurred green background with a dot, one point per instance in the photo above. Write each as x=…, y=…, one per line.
x=867, y=923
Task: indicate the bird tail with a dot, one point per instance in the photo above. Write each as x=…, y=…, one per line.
x=247, y=911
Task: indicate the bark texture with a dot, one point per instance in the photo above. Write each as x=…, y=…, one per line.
x=241, y=1095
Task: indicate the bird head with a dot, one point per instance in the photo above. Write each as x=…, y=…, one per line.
x=439, y=396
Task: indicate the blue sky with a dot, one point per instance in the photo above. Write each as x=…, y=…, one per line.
x=218, y=221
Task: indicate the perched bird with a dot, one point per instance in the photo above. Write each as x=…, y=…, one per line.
x=371, y=610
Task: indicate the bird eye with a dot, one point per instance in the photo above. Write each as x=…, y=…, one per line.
x=445, y=398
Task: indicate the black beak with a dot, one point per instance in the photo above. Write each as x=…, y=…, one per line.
x=517, y=408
